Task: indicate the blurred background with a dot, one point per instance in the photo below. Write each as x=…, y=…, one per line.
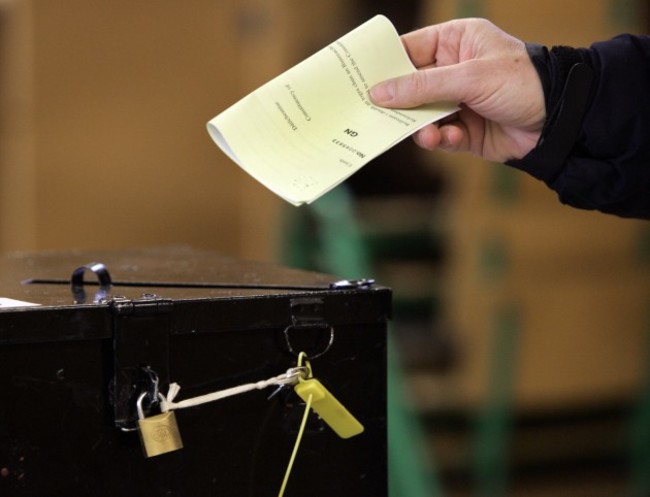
x=520, y=326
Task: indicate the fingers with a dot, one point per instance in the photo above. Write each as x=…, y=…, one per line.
x=454, y=138
x=439, y=44
x=438, y=84
x=428, y=137
x=448, y=137
x=421, y=46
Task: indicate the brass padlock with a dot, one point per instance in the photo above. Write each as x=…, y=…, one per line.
x=159, y=434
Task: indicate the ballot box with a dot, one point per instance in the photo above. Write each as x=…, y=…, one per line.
x=90, y=344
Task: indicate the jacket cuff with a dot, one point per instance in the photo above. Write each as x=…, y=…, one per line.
x=566, y=81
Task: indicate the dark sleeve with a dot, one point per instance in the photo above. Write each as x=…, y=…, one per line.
x=595, y=146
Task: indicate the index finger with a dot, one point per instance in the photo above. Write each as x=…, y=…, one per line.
x=434, y=45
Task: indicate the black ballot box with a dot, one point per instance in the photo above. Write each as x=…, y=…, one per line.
x=91, y=341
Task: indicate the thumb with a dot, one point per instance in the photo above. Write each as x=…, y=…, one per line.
x=436, y=84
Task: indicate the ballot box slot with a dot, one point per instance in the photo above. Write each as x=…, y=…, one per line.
x=104, y=282
x=335, y=285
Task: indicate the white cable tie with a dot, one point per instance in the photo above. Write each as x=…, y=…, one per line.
x=290, y=377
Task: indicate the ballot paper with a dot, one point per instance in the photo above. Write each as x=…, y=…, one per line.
x=6, y=303
x=310, y=128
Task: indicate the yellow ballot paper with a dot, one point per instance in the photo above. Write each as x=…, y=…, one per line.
x=310, y=128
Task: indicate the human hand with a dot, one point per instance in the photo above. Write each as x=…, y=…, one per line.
x=488, y=72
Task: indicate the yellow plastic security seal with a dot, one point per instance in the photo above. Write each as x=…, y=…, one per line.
x=328, y=407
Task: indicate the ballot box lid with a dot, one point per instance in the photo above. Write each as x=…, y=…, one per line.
x=239, y=294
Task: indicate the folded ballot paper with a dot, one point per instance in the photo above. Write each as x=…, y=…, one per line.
x=311, y=127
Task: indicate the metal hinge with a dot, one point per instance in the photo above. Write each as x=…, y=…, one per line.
x=141, y=330
x=360, y=284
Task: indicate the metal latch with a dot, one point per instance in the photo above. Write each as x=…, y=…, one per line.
x=309, y=331
x=141, y=330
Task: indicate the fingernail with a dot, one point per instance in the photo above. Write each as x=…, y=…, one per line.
x=381, y=93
